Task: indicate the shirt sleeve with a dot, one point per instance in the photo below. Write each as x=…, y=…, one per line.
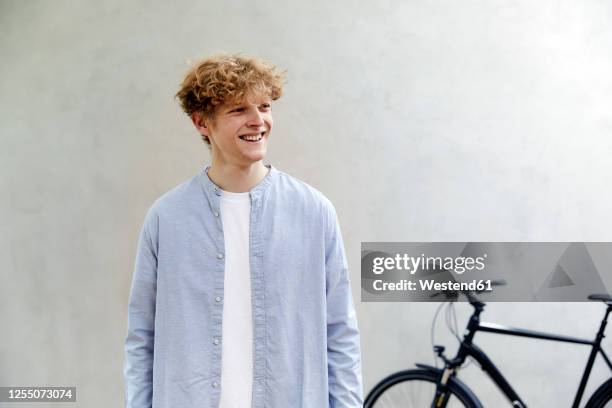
x=138, y=366
x=343, y=348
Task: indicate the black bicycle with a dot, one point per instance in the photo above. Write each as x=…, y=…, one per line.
x=435, y=387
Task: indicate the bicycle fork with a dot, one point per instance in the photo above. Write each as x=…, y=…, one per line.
x=442, y=395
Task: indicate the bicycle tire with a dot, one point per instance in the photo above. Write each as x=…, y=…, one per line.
x=602, y=397
x=399, y=389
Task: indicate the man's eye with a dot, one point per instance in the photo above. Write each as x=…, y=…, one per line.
x=265, y=106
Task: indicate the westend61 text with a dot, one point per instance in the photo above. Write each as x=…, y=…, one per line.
x=430, y=284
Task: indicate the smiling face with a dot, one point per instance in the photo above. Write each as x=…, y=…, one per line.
x=239, y=131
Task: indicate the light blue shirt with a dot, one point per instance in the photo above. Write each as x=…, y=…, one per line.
x=306, y=350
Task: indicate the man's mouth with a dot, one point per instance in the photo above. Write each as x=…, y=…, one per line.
x=252, y=138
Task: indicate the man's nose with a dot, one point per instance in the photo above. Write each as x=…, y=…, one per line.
x=255, y=118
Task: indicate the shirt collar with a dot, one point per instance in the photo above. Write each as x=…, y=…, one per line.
x=211, y=188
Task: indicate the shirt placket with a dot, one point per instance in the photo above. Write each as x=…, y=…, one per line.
x=218, y=296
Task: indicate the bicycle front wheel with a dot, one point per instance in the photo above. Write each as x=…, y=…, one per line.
x=602, y=397
x=416, y=389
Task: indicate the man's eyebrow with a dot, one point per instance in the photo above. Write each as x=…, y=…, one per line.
x=234, y=105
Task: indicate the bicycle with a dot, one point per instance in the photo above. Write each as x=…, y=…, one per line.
x=429, y=386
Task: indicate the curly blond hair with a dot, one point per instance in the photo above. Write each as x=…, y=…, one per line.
x=222, y=79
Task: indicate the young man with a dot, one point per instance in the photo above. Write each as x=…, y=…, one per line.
x=240, y=296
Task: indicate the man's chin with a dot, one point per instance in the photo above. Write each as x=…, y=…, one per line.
x=257, y=155
x=252, y=159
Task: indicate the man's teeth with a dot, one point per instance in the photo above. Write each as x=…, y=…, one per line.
x=252, y=138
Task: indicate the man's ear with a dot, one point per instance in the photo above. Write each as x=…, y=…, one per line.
x=201, y=123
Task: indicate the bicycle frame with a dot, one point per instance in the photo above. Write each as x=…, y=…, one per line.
x=468, y=348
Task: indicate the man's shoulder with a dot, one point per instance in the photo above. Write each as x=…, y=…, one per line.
x=298, y=190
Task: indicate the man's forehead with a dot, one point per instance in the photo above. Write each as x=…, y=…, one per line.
x=250, y=98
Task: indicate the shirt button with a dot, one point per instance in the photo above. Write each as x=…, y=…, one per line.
x=216, y=213
x=216, y=341
x=219, y=256
x=218, y=299
x=215, y=384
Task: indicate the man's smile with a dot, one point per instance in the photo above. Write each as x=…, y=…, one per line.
x=253, y=138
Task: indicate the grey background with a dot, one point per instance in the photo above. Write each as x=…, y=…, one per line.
x=422, y=121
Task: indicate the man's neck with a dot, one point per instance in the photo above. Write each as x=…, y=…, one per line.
x=237, y=179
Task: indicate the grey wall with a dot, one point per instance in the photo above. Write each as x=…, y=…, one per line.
x=426, y=121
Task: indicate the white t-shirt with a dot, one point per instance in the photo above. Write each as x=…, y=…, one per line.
x=237, y=331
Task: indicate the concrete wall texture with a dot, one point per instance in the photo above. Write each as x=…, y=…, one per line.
x=421, y=120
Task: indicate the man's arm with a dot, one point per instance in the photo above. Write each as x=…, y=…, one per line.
x=138, y=367
x=343, y=349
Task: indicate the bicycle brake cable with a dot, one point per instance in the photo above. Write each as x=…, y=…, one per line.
x=433, y=329
x=453, y=326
